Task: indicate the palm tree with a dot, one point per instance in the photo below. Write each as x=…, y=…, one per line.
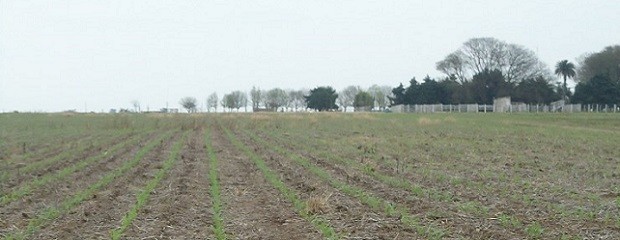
x=565, y=69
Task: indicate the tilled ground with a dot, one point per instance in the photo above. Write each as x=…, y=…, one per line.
x=253, y=209
x=17, y=214
x=96, y=217
x=181, y=204
x=180, y=208
x=18, y=175
x=345, y=213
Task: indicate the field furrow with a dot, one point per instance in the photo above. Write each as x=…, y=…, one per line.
x=519, y=208
x=310, y=176
x=253, y=208
x=389, y=219
x=30, y=171
x=72, y=209
x=105, y=156
x=179, y=207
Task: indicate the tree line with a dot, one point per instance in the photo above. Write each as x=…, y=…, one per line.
x=481, y=70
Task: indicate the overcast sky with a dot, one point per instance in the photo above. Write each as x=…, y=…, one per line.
x=98, y=55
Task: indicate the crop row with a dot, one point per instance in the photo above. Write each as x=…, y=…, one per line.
x=27, y=187
x=300, y=206
x=53, y=212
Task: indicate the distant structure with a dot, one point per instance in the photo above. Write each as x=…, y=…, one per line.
x=363, y=109
x=502, y=104
x=169, y=110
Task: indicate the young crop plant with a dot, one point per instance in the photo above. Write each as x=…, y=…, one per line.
x=218, y=222
x=27, y=188
x=377, y=203
x=534, y=230
x=145, y=194
x=508, y=221
x=301, y=206
x=66, y=205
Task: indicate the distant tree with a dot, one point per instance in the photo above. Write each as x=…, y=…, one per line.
x=515, y=62
x=136, y=105
x=264, y=99
x=296, y=99
x=322, y=99
x=565, y=69
x=454, y=92
x=598, y=90
x=256, y=96
x=189, y=103
x=488, y=85
x=276, y=98
x=227, y=102
x=454, y=65
x=347, y=96
x=411, y=92
x=430, y=92
x=398, y=95
x=381, y=95
x=535, y=91
x=364, y=99
x=605, y=63
x=238, y=99
x=212, y=102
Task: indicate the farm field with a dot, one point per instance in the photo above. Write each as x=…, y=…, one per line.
x=310, y=176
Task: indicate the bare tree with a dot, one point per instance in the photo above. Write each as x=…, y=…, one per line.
x=136, y=105
x=239, y=99
x=515, y=62
x=276, y=98
x=256, y=96
x=296, y=99
x=212, y=102
x=189, y=103
x=381, y=95
x=453, y=65
x=347, y=96
x=226, y=101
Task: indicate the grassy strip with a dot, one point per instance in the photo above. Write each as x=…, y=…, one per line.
x=391, y=209
x=320, y=223
x=27, y=188
x=218, y=223
x=145, y=194
x=68, y=204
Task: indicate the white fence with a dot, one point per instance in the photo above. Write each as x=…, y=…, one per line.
x=569, y=108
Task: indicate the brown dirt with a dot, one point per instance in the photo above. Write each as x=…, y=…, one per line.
x=253, y=209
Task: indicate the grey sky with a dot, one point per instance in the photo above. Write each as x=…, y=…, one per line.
x=59, y=55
